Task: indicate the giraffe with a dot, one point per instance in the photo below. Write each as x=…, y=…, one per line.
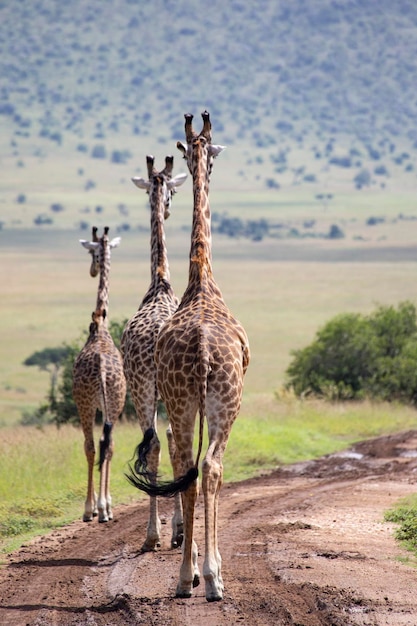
x=99, y=381
x=202, y=355
x=139, y=337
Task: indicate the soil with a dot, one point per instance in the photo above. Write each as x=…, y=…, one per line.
x=304, y=545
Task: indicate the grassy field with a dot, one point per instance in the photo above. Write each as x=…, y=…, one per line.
x=282, y=289
x=43, y=472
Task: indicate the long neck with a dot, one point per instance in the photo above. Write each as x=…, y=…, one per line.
x=159, y=256
x=200, y=252
x=103, y=285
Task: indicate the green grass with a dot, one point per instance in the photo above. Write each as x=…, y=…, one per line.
x=281, y=292
x=405, y=515
x=43, y=472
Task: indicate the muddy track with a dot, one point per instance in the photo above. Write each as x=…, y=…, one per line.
x=305, y=545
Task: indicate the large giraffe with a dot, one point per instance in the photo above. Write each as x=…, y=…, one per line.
x=140, y=333
x=99, y=381
x=202, y=355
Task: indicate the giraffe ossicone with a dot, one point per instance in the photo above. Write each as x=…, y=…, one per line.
x=202, y=354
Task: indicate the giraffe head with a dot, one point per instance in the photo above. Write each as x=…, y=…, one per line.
x=161, y=182
x=99, y=248
x=196, y=144
x=95, y=245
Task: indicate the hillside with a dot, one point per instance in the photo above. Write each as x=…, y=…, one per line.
x=318, y=94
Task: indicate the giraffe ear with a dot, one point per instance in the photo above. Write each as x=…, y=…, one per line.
x=141, y=182
x=89, y=245
x=178, y=180
x=115, y=242
x=182, y=148
x=214, y=151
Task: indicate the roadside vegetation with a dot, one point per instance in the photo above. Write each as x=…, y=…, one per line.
x=43, y=470
x=358, y=356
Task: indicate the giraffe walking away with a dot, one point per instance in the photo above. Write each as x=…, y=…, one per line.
x=139, y=338
x=202, y=355
x=99, y=381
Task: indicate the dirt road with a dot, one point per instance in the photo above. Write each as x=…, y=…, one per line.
x=305, y=545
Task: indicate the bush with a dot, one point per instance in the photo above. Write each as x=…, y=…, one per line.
x=335, y=232
x=341, y=161
x=356, y=356
x=271, y=183
x=99, y=152
x=42, y=219
x=362, y=179
x=57, y=207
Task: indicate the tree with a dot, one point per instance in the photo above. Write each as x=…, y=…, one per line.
x=99, y=152
x=49, y=360
x=362, y=179
x=357, y=356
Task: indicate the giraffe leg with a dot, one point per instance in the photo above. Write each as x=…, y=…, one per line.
x=90, y=507
x=177, y=522
x=211, y=483
x=189, y=573
x=153, y=535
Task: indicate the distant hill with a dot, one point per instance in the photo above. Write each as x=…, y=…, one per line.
x=306, y=90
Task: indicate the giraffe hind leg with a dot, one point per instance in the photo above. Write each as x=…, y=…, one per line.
x=90, y=506
x=189, y=572
x=211, y=483
x=177, y=522
x=148, y=454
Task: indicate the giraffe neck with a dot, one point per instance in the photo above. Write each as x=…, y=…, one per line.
x=159, y=256
x=103, y=285
x=200, y=252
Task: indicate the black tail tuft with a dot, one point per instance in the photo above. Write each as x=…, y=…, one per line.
x=142, y=451
x=104, y=443
x=145, y=482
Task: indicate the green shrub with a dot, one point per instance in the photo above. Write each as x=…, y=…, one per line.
x=356, y=356
x=406, y=516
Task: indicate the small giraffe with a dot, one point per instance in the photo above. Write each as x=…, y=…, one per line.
x=99, y=381
x=202, y=355
x=139, y=337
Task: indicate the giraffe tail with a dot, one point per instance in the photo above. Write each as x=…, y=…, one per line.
x=167, y=489
x=107, y=426
x=104, y=443
x=142, y=479
x=142, y=451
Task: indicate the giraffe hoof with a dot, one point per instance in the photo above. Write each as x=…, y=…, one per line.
x=196, y=580
x=152, y=546
x=87, y=518
x=183, y=594
x=176, y=542
x=215, y=598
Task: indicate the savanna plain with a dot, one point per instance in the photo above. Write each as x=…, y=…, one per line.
x=283, y=289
